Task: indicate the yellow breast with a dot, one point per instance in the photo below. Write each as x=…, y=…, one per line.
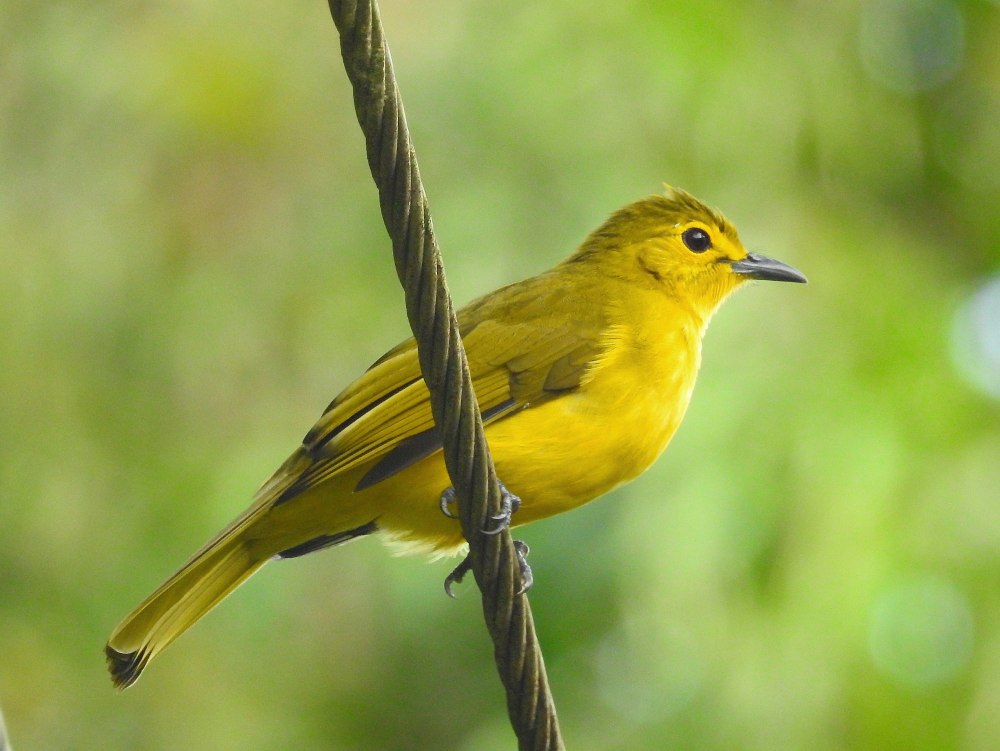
x=573, y=449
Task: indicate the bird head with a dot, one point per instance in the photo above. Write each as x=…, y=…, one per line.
x=675, y=243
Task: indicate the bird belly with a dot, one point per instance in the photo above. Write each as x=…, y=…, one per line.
x=554, y=457
x=572, y=450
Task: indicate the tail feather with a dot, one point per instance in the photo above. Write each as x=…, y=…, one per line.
x=173, y=608
x=227, y=560
x=214, y=571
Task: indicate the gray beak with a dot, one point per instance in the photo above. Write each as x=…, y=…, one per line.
x=761, y=267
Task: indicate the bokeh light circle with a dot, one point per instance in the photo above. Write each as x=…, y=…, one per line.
x=975, y=338
x=911, y=45
x=921, y=632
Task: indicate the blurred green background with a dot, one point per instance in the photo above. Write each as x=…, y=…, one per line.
x=192, y=264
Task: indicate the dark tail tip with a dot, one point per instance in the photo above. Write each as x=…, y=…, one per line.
x=125, y=666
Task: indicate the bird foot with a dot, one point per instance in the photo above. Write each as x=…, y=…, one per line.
x=521, y=551
x=449, y=499
x=509, y=504
x=456, y=576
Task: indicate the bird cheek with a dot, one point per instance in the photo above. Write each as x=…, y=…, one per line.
x=649, y=266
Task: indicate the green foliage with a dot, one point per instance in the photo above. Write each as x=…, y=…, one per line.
x=193, y=264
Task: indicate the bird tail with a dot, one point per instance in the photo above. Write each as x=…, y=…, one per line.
x=213, y=572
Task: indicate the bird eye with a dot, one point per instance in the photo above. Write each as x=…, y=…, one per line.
x=697, y=240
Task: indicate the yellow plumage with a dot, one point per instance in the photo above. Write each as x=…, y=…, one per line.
x=582, y=373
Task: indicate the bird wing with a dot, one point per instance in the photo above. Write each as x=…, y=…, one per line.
x=522, y=349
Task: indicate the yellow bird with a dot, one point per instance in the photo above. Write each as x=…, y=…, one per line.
x=583, y=374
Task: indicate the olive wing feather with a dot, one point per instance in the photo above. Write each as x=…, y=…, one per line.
x=518, y=356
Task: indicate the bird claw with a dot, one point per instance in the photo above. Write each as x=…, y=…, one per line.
x=456, y=576
x=521, y=551
x=509, y=504
x=448, y=499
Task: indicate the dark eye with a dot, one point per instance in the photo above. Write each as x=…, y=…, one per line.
x=696, y=239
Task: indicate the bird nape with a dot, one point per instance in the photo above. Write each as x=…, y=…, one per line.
x=583, y=374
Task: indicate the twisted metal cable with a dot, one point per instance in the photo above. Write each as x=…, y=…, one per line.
x=446, y=371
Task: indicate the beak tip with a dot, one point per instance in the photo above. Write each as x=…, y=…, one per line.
x=767, y=269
